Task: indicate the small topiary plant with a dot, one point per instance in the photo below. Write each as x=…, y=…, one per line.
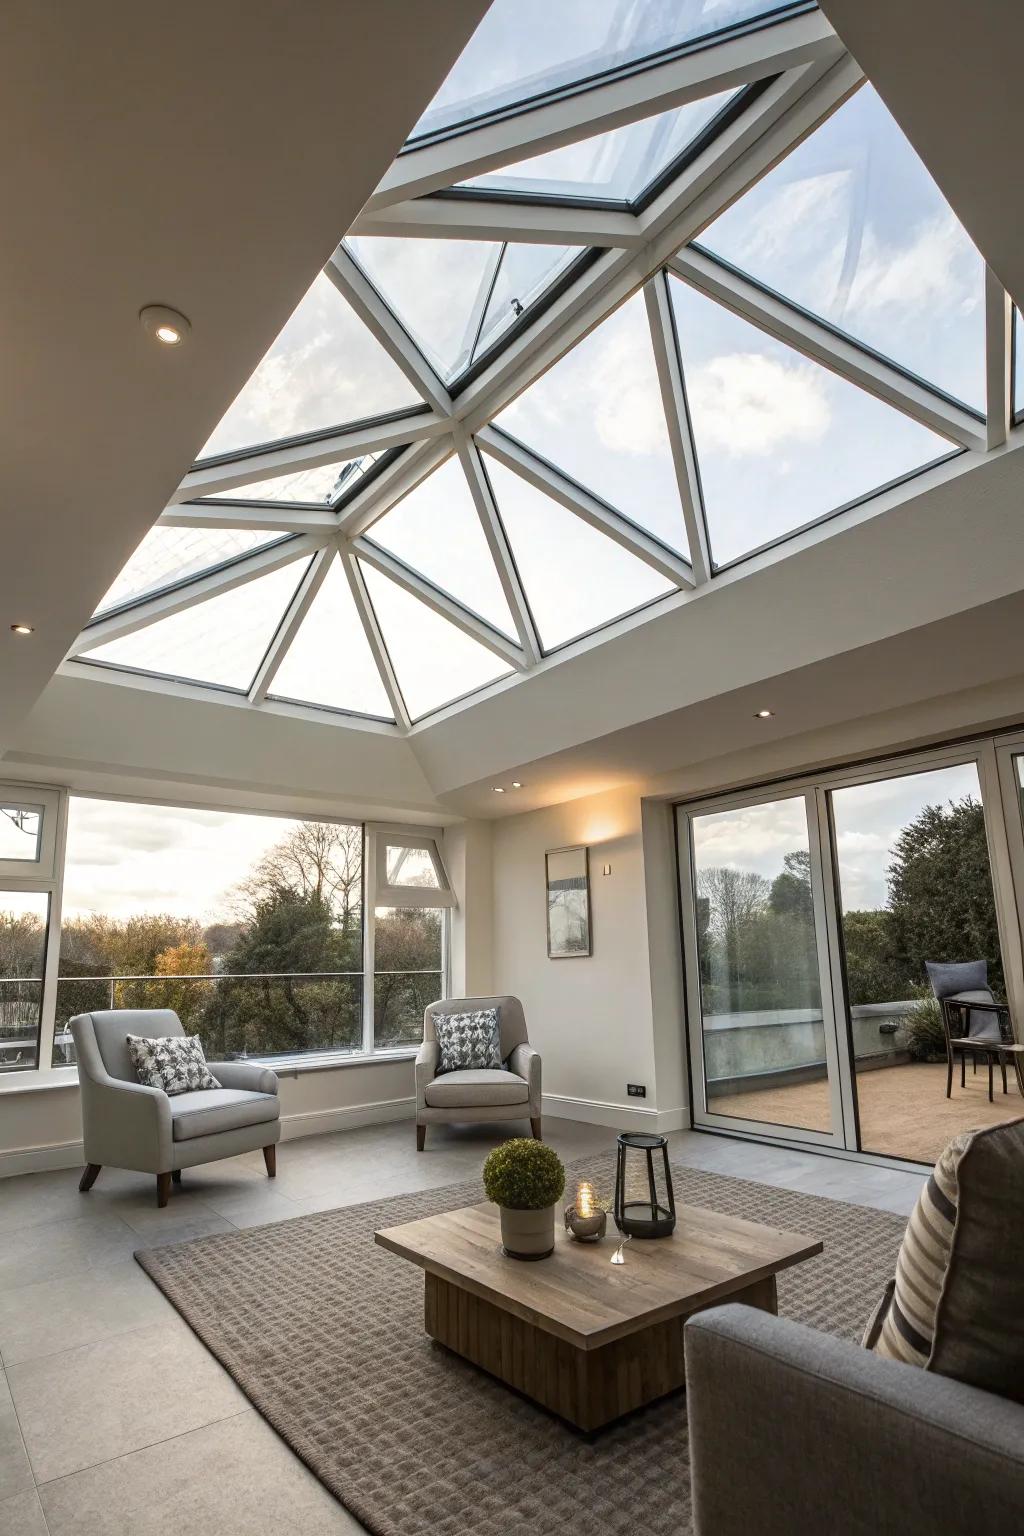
x=524, y=1175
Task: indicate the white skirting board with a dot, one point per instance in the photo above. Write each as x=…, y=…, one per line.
x=317, y=1122
x=617, y=1117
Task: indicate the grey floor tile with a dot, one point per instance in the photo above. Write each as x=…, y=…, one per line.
x=118, y=1395
x=31, y=1254
x=57, y=1315
x=15, y=1470
x=22, y=1515
x=37, y=1198
x=254, y=1205
x=235, y=1478
x=184, y=1217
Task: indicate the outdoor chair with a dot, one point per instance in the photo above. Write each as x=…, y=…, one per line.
x=974, y=1024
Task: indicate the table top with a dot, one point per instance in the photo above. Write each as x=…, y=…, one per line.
x=577, y=1293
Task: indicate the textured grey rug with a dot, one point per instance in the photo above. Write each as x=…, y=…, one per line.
x=323, y=1331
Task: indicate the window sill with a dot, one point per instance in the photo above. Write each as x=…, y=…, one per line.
x=67, y=1077
x=37, y=1082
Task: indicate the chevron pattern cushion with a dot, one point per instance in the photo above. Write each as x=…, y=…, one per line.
x=468, y=1041
x=175, y=1063
x=956, y=1302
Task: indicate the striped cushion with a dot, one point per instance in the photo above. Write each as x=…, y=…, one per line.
x=903, y=1327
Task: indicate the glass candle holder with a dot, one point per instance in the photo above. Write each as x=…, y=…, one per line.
x=584, y=1219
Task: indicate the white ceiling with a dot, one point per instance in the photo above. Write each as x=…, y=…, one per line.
x=174, y=155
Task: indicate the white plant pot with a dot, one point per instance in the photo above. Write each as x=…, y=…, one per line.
x=528, y=1234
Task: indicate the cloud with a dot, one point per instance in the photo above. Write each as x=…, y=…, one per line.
x=936, y=269
x=748, y=405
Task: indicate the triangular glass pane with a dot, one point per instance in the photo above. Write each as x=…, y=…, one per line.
x=324, y=370
x=526, y=48
x=170, y=555
x=434, y=662
x=435, y=287
x=329, y=662
x=320, y=487
x=597, y=415
x=851, y=227
x=617, y=165
x=219, y=640
x=575, y=577
x=437, y=532
x=781, y=441
x=524, y=274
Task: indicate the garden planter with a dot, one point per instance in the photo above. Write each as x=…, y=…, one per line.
x=528, y=1234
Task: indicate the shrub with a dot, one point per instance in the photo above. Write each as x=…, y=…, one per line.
x=523, y=1175
x=926, y=1038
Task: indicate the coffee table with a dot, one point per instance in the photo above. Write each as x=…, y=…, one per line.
x=588, y=1339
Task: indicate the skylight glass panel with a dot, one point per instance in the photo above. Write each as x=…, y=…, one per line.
x=221, y=640
x=319, y=487
x=324, y=370
x=170, y=555
x=527, y=48
x=434, y=662
x=851, y=227
x=436, y=531
x=437, y=289
x=781, y=441
x=525, y=273
x=597, y=415
x=329, y=662
x=617, y=165
x=575, y=577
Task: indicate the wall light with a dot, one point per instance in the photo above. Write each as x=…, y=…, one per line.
x=22, y=629
x=167, y=326
x=764, y=714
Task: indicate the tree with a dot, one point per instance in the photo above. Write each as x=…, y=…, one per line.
x=791, y=891
x=407, y=965
x=940, y=891
x=315, y=858
x=873, y=973
x=188, y=998
x=734, y=896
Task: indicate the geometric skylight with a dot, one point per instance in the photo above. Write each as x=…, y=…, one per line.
x=852, y=227
x=621, y=314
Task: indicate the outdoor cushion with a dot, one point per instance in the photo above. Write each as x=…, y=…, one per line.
x=954, y=1306
x=476, y=1089
x=961, y=976
x=981, y=1025
x=219, y=1109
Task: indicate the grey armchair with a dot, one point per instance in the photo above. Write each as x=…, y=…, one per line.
x=126, y=1124
x=511, y=1093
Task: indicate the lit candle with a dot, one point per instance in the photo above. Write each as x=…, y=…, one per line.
x=584, y=1219
x=584, y=1199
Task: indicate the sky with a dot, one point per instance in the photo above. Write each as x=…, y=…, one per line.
x=124, y=858
x=868, y=818
x=849, y=226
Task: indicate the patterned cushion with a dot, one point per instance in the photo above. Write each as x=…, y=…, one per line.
x=468, y=1041
x=954, y=1305
x=175, y=1063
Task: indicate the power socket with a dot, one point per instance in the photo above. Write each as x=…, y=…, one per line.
x=636, y=1090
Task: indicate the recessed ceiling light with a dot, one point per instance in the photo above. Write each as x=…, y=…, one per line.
x=516, y=784
x=497, y=789
x=166, y=325
x=22, y=629
x=764, y=714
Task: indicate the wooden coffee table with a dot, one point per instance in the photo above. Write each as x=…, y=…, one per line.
x=588, y=1339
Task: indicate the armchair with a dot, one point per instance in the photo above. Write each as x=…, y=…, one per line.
x=506, y=1093
x=126, y=1124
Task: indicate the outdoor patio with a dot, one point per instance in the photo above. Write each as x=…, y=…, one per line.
x=904, y=1111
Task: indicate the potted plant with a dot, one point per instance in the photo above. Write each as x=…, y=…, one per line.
x=526, y=1180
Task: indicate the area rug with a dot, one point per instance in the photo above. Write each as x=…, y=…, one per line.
x=323, y=1332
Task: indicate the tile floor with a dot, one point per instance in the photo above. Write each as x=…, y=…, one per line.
x=115, y=1421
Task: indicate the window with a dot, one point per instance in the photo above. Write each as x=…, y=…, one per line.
x=24, y=916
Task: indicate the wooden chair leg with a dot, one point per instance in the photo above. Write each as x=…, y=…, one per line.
x=990, y=1077
x=89, y=1177
x=535, y=1127
x=1002, y=1068
x=963, y=1069
x=949, y=1074
x=975, y=1061
x=163, y=1189
x=176, y=1176
x=270, y=1158
x=421, y=1137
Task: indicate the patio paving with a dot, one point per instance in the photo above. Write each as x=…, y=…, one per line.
x=904, y=1111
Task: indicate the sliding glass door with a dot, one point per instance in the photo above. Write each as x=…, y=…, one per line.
x=810, y=915
x=764, y=1036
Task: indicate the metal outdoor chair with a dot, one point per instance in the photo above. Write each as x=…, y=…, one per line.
x=976, y=1027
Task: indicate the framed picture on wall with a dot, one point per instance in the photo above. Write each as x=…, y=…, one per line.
x=568, y=903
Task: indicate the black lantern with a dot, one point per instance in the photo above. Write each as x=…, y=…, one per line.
x=655, y=1216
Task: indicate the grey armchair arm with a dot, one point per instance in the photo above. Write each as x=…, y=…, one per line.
x=525, y=1062
x=427, y=1058
x=794, y=1430
x=126, y=1125
x=248, y=1075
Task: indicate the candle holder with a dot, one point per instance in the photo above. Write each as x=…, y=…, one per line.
x=584, y=1218
x=655, y=1216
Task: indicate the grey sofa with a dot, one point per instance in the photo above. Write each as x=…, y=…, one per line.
x=128, y=1125
x=796, y=1431
x=512, y=1094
